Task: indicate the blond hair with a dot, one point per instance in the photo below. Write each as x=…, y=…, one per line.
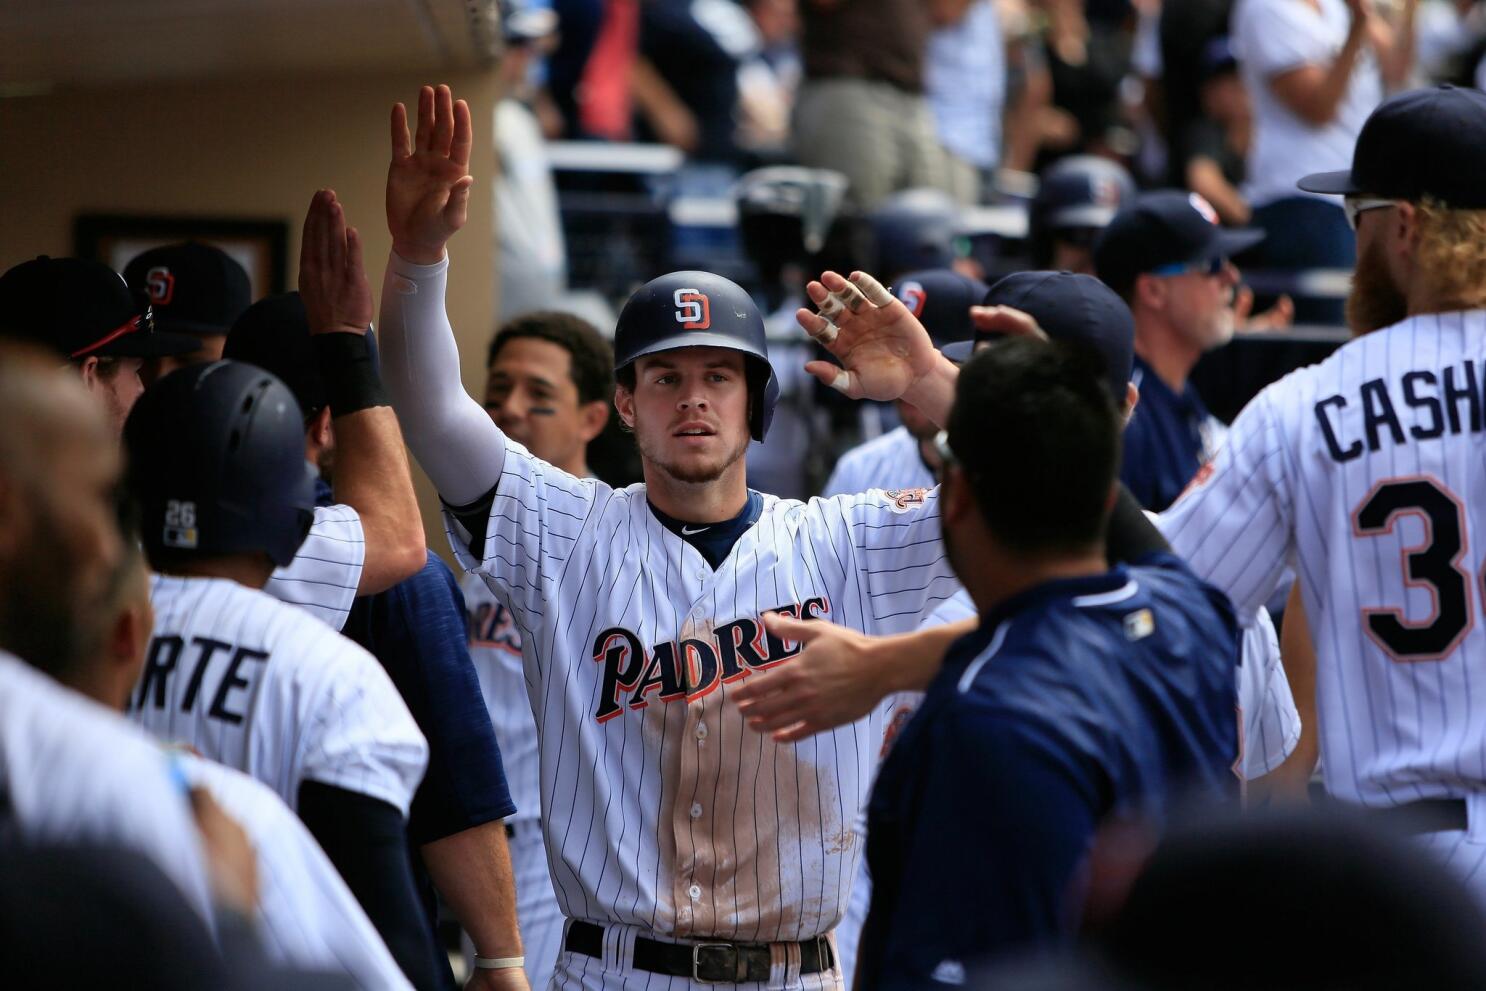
x=1452, y=252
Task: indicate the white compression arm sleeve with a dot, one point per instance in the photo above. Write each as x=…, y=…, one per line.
x=450, y=434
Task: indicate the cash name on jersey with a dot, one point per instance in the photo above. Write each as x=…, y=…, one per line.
x=1421, y=405
x=690, y=668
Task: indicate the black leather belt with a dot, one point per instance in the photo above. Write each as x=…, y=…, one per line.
x=1429, y=815
x=709, y=962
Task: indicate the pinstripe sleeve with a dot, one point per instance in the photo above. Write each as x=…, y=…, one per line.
x=1271, y=723
x=899, y=555
x=360, y=735
x=1235, y=522
x=323, y=576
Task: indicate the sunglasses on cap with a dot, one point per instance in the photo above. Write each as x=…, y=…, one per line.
x=1210, y=267
x=1353, y=205
x=140, y=323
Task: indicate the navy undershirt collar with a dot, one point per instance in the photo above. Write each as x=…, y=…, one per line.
x=714, y=541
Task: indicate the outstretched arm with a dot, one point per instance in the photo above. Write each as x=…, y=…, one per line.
x=371, y=466
x=840, y=676
x=428, y=185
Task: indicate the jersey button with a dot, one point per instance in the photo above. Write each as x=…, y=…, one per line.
x=696, y=810
x=701, y=731
x=695, y=891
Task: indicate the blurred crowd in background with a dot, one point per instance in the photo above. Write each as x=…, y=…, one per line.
x=767, y=139
x=973, y=100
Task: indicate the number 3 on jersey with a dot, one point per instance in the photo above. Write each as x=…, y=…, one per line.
x=1433, y=565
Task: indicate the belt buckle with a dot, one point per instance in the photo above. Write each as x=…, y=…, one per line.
x=696, y=962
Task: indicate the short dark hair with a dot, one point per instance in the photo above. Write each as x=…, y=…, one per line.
x=592, y=367
x=1038, y=438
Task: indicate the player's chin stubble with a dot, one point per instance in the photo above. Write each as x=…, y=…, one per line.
x=694, y=473
x=1375, y=300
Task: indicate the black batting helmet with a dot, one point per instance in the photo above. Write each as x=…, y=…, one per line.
x=216, y=462
x=914, y=229
x=700, y=310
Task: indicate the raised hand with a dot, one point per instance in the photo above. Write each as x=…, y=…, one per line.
x=1006, y=320
x=332, y=278
x=428, y=181
x=884, y=351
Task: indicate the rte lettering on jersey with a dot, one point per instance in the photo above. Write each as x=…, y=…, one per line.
x=692, y=667
x=1421, y=405
x=228, y=693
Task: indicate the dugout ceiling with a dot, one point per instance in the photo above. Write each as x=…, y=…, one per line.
x=70, y=43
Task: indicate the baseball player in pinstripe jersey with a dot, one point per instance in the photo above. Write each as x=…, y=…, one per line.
x=550, y=387
x=71, y=771
x=306, y=916
x=216, y=462
x=681, y=849
x=1366, y=471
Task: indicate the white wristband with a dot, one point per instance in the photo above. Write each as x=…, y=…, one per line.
x=499, y=963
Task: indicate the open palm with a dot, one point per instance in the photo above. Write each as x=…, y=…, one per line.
x=428, y=180
x=882, y=347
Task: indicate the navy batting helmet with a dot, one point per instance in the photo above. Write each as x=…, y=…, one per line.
x=914, y=229
x=216, y=462
x=700, y=310
x=1078, y=193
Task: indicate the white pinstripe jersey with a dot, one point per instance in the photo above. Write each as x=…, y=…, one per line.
x=269, y=690
x=1271, y=723
x=306, y=916
x=323, y=576
x=661, y=809
x=1367, y=472
x=495, y=650
x=71, y=771
x=890, y=461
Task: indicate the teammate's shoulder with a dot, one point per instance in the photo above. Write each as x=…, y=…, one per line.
x=520, y=461
x=234, y=789
x=884, y=445
x=50, y=716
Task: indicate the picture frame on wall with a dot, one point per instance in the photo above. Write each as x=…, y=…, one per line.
x=261, y=247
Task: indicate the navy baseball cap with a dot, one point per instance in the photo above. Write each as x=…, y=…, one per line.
x=81, y=309
x=193, y=288
x=1072, y=308
x=1081, y=191
x=274, y=334
x=1167, y=227
x=941, y=299
x=1426, y=142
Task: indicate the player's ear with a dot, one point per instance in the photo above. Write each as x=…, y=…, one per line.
x=88, y=370
x=1406, y=220
x=319, y=435
x=592, y=416
x=1149, y=291
x=624, y=405
x=957, y=501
